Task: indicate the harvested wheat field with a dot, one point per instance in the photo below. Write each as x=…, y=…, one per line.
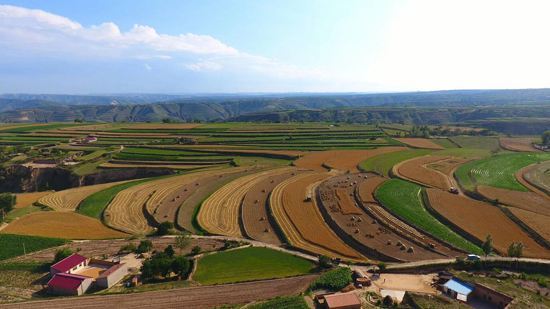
x=68, y=200
x=126, y=212
x=364, y=232
x=68, y=225
x=525, y=200
x=301, y=221
x=517, y=143
x=536, y=177
x=27, y=199
x=417, y=170
x=220, y=213
x=419, y=143
x=144, y=165
x=366, y=188
x=539, y=223
x=254, y=209
x=481, y=219
x=344, y=160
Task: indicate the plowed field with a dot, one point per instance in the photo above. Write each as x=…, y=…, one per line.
x=539, y=223
x=480, y=219
x=254, y=209
x=420, y=143
x=517, y=143
x=220, y=213
x=430, y=171
x=301, y=221
x=537, y=176
x=68, y=200
x=525, y=200
x=27, y=199
x=344, y=160
x=68, y=225
x=367, y=188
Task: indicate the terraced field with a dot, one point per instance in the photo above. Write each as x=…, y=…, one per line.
x=537, y=175
x=479, y=219
x=219, y=214
x=344, y=160
x=477, y=142
x=300, y=219
x=420, y=143
x=538, y=222
x=68, y=200
x=522, y=144
x=382, y=164
x=403, y=199
x=430, y=171
x=27, y=199
x=497, y=171
x=525, y=200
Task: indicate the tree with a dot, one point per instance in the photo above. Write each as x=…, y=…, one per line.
x=182, y=241
x=165, y=228
x=144, y=246
x=181, y=266
x=515, y=249
x=7, y=201
x=382, y=266
x=169, y=251
x=196, y=250
x=130, y=247
x=546, y=138
x=324, y=261
x=487, y=245
x=61, y=254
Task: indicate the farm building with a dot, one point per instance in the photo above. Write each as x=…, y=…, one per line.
x=458, y=289
x=476, y=294
x=76, y=273
x=342, y=301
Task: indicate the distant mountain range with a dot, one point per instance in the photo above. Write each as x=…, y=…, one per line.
x=414, y=107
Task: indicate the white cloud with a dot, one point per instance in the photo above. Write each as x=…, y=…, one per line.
x=203, y=66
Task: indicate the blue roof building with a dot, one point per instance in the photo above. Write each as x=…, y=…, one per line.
x=458, y=289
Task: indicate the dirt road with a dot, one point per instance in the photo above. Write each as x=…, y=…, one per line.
x=194, y=297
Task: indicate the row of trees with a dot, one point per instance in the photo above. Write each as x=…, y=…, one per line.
x=514, y=250
x=7, y=202
x=546, y=138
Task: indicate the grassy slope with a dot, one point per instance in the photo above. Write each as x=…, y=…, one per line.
x=382, y=164
x=477, y=142
x=497, y=171
x=12, y=245
x=287, y=302
x=249, y=264
x=403, y=199
x=94, y=204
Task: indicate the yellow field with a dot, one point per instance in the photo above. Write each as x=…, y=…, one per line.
x=301, y=221
x=219, y=214
x=27, y=199
x=68, y=225
x=68, y=200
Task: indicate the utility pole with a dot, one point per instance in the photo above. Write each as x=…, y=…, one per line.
x=24, y=250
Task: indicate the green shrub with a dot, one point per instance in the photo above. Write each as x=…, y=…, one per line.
x=333, y=280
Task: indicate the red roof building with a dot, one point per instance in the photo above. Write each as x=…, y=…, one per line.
x=342, y=301
x=69, y=264
x=69, y=284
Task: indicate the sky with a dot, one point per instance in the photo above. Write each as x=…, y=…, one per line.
x=236, y=46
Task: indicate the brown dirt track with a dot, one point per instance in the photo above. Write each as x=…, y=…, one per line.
x=193, y=297
x=523, y=144
x=525, y=200
x=68, y=225
x=27, y=199
x=344, y=160
x=428, y=171
x=480, y=219
x=419, y=143
x=254, y=209
x=539, y=223
x=364, y=228
x=301, y=221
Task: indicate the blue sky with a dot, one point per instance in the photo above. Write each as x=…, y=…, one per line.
x=271, y=46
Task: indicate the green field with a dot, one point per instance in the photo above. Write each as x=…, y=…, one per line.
x=403, y=199
x=382, y=164
x=497, y=171
x=333, y=280
x=16, y=245
x=249, y=264
x=93, y=205
x=445, y=142
x=287, y=302
x=477, y=142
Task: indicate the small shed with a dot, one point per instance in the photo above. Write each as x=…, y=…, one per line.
x=458, y=289
x=112, y=276
x=342, y=301
x=69, y=284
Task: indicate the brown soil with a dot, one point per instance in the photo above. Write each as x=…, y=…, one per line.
x=146, y=165
x=481, y=219
x=517, y=144
x=98, y=248
x=525, y=200
x=366, y=188
x=536, y=177
x=539, y=223
x=68, y=225
x=301, y=221
x=345, y=201
x=344, y=160
x=254, y=214
x=26, y=199
x=417, y=170
x=419, y=143
x=193, y=297
x=362, y=226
